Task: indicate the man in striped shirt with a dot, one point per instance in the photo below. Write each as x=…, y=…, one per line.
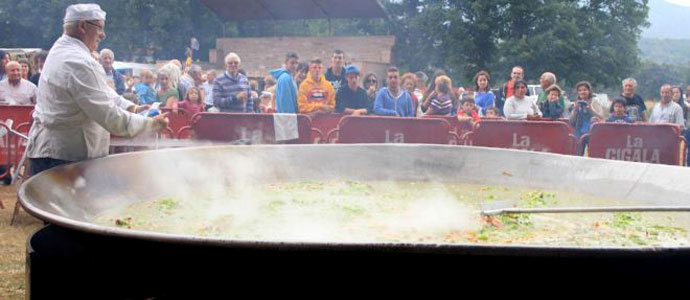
x=231, y=91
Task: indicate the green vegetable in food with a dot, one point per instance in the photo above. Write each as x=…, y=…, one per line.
x=126, y=222
x=166, y=203
x=396, y=211
x=538, y=199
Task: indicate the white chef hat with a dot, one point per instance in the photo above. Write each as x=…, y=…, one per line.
x=77, y=12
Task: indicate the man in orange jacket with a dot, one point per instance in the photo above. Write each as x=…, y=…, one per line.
x=316, y=94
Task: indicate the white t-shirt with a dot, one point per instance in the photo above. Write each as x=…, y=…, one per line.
x=519, y=109
x=23, y=93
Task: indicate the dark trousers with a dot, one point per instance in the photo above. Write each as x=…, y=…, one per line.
x=38, y=165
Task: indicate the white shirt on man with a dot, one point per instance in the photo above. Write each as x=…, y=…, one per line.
x=24, y=93
x=667, y=113
x=75, y=109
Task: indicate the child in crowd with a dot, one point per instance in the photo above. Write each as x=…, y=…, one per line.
x=266, y=102
x=483, y=96
x=192, y=102
x=270, y=87
x=619, y=115
x=552, y=108
x=468, y=110
x=144, y=89
x=441, y=101
x=492, y=113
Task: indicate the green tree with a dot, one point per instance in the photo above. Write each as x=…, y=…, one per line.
x=652, y=76
x=166, y=25
x=591, y=40
x=578, y=40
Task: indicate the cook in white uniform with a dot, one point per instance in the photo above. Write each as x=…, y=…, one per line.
x=76, y=110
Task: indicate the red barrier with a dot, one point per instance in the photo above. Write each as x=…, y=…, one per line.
x=258, y=128
x=324, y=123
x=11, y=150
x=177, y=120
x=460, y=128
x=370, y=129
x=650, y=143
x=6, y=148
x=564, y=120
x=19, y=114
x=541, y=136
x=11, y=146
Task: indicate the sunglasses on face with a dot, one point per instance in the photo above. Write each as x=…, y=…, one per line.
x=371, y=81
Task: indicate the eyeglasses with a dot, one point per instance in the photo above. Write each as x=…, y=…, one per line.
x=371, y=81
x=100, y=28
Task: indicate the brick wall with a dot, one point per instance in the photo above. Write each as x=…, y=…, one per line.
x=259, y=55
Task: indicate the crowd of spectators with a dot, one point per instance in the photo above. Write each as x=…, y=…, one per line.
x=306, y=88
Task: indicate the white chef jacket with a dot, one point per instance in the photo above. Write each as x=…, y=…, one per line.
x=75, y=109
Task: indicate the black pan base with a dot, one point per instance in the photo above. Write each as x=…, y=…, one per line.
x=67, y=264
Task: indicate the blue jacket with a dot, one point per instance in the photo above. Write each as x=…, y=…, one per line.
x=386, y=105
x=286, y=91
x=145, y=93
x=119, y=82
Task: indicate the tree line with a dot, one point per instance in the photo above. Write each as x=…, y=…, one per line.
x=594, y=40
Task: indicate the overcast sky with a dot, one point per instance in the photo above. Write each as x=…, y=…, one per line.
x=669, y=19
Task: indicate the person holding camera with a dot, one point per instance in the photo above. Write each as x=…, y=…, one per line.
x=585, y=111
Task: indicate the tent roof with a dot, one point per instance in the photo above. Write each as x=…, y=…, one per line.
x=242, y=10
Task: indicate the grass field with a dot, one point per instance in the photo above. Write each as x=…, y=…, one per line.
x=13, y=245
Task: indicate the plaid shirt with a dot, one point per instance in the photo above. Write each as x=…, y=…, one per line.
x=225, y=90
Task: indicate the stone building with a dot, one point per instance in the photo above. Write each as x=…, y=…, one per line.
x=261, y=54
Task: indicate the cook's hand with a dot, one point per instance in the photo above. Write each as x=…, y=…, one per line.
x=140, y=108
x=162, y=120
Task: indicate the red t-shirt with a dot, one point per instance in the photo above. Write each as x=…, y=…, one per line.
x=415, y=102
x=190, y=107
x=473, y=114
x=509, y=88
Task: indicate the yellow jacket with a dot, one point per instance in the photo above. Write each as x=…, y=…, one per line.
x=313, y=95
